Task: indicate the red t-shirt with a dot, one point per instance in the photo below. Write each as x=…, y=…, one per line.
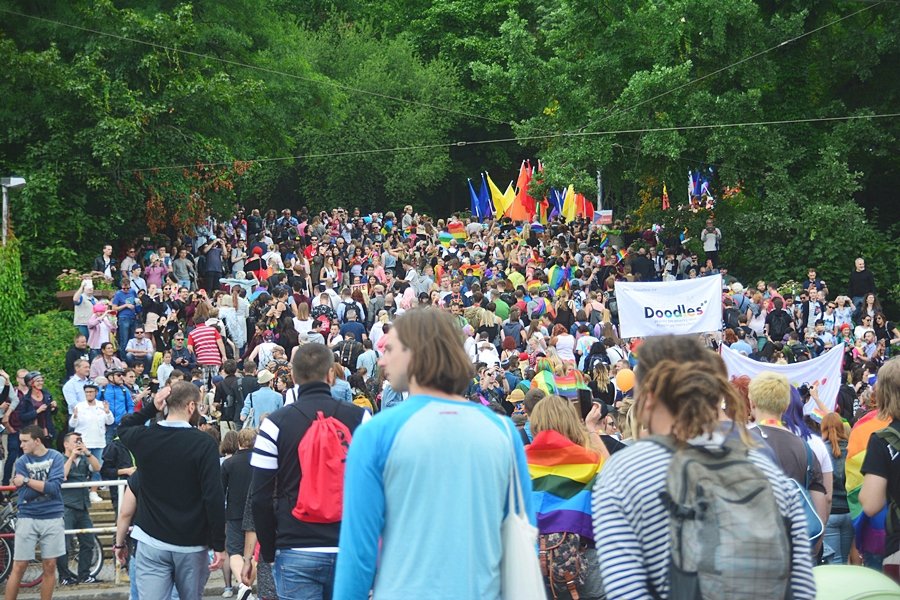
x=204, y=340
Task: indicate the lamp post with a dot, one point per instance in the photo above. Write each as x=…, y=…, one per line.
x=9, y=183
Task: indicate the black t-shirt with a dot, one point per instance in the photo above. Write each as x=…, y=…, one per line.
x=790, y=452
x=884, y=461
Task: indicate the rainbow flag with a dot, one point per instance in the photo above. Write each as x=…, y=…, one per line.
x=540, y=307
x=445, y=237
x=545, y=381
x=870, y=531
x=562, y=477
x=567, y=385
x=621, y=254
x=476, y=270
x=458, y=231
x=604, y=241
x=558, y=277
x=533, y=283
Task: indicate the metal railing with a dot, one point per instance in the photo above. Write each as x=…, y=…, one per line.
x=85, y=484
x=68, y=485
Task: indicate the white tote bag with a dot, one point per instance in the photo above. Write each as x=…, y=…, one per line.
x=520, y=570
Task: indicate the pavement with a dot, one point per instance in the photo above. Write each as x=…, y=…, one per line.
x=111, y=591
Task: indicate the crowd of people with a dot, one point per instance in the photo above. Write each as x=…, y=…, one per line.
x=452, y=357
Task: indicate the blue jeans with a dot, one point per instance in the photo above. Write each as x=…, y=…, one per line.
x=83, y=330
x=124, y=333
x=839, y=536
x=98, y=454
x=304, y=575
x=13, y=451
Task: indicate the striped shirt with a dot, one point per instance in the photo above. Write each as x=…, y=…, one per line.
x=631, y=525
x=204, y=342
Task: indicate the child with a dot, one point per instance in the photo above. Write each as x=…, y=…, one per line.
x=165, y=369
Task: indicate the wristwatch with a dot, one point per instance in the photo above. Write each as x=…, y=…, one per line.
x=26, y=480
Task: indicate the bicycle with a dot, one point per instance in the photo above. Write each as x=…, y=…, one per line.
x=34, y=573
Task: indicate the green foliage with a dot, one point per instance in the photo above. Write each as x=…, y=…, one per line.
x=12, y=297
x=41, y=345
x=115, y=136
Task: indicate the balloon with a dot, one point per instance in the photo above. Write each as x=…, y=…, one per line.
x=625, y=380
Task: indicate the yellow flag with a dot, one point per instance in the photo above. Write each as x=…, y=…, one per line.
x=569, y=204
x=509, y=197
x=497, y=198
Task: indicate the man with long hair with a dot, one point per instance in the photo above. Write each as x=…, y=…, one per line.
x=426, y=482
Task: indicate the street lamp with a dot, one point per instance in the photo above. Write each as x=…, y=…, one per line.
x=9, y=183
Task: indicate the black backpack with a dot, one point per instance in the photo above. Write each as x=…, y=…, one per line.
x=780, y=325
x=730, y=317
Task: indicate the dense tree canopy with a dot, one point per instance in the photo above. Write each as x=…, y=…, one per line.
x=161, y=118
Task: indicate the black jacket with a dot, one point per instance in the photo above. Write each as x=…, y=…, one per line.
x=181, y=500
x=276, y=466
x=236, y=476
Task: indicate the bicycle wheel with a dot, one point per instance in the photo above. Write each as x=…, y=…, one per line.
x=96, y=554
x=34, y=572
x=6, y=558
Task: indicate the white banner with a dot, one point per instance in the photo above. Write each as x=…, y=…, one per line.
x=669, y=307
x=824, y=370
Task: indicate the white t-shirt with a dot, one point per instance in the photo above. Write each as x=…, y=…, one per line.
x=565, y=347
x=817, y=445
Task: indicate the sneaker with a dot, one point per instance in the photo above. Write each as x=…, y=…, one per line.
x=228, y=593
x=90, y=579
x=68, y=581
x=95, y=498
x=244, y=593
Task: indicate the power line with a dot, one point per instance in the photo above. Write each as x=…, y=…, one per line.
x=461, y=144
x=270, y=71
x=739, y=62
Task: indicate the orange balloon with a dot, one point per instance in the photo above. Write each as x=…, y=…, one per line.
x=625, y=380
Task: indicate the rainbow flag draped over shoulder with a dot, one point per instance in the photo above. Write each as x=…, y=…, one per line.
x=870, y=531
x=562, y=476
x=445, y=237
x=558, y=277
x=545, y=381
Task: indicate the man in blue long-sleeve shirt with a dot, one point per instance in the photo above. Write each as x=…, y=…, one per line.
x=39, y=475
x=426, y=483
x=119, y=399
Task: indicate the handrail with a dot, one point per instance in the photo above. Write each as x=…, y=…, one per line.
x=77, y=485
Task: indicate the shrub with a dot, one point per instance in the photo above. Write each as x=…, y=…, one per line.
x=41, y=346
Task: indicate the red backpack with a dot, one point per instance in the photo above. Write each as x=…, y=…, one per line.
x=323, y=454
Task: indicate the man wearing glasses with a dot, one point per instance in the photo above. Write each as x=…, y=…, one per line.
x=182, y=357
x=139, y=349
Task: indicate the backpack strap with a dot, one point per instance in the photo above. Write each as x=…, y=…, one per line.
x=809, y=465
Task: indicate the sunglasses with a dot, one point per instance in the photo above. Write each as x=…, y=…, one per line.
x=138, y=332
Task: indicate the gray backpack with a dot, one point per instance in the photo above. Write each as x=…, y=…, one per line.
x=728, y=537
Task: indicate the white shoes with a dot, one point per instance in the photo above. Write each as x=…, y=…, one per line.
x=95, y=498
x=245, y=593
x=228, y=593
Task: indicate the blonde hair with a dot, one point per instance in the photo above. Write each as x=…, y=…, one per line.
x=247, y=437
x=558, y=414
x=770, y=392
x=887, y=390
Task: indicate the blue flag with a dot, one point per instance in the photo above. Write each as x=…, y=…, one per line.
x=484, y=198
x=474, y=207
